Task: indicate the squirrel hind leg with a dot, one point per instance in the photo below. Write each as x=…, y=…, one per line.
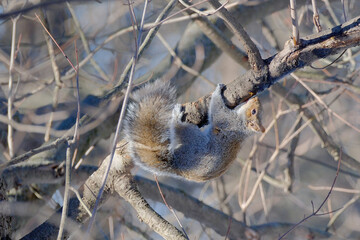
x=216, y=98
x=217, y=109
x=176, y=116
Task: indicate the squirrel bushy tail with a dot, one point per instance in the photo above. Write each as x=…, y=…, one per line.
x=147, y=126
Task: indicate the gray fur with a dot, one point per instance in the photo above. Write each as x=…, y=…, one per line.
x=170, y=146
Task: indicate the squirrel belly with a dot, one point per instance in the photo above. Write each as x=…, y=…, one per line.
x=161, y=143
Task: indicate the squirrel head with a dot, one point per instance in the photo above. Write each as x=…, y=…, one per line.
x=253, y=112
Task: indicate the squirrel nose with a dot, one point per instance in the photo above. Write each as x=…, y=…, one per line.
x=262, y=129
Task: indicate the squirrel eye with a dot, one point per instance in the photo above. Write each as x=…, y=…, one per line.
x=253, y=112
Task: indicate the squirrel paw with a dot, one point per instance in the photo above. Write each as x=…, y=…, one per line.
x=177, y=114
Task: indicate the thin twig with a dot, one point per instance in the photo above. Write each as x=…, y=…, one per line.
x=34, y=5
x=76, y=131
x=283, y=143
x=133, y=24
x=180, y=63
x=331, y=11
x=324, y=104
x=331, y=63
x=246, y=185
x=53, y=109
x=67, y=58
x=121, y=117
x=66, y=192
x=289, y=173
x=342, y=190
x=202, y=13
x=85, y=43
x=31, y=128
x=10, y=140
x=195, y=15
x=223, y=42
x=146, y=42
x=253, y=191
x=240, y=184
x=169, y=207
x=70, y=73
x=294, y=21
x=80, y=200
x=56, y=74
x=315, y=212
x=111, y=228
x=343, y=8
x=229, y=227
x=58, y=82
x=316, y=18
x=345, y=206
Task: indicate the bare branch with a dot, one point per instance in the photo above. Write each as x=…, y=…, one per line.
x=327, y=142
x=314, y=47
x=11, y=90
x=255, y=60
x=294, y=21
x=316, y=18
x=315, y=212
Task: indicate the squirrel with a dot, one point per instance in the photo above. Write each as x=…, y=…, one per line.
x=161, y=143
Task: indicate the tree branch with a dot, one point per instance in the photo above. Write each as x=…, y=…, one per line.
x=255, y=60
x=291, y=58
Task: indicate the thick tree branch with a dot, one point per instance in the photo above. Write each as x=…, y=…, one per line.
x=122, y=183
x=215, y=219
x=291, y=58
x=20, y=175
x=119, y=181
x=195, y=209
x=255, y=60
